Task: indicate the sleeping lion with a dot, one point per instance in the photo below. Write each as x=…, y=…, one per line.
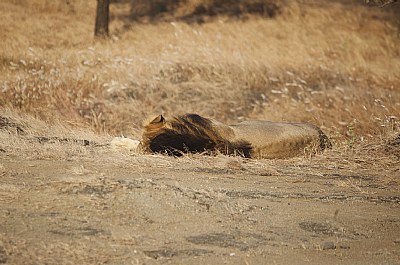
x=191, y=133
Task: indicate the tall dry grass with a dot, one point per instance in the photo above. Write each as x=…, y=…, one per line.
x=333, y=63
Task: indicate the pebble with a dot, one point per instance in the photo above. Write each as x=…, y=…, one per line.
x=345, y=247
x=328, y=245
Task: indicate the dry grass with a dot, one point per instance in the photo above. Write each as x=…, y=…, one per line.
x=332, y=63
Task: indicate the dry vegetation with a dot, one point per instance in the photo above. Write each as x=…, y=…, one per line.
x=333, y=63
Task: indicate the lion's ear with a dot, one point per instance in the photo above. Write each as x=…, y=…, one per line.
x=158, y=119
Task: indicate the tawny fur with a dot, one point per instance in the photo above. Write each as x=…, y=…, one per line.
x=191, y=133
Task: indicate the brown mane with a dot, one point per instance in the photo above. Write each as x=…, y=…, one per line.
x=189, y=133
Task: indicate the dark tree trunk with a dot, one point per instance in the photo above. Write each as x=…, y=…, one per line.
x=102, y=17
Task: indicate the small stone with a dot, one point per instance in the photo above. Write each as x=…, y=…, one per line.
x=328, y=245
x=397, y=241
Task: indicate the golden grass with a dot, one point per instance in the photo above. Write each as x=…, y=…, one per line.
x=332, y=63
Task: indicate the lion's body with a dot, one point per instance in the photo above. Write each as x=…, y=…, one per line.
x=256, y=139
x=278, y=139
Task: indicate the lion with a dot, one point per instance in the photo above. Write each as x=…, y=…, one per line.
x=191, y=133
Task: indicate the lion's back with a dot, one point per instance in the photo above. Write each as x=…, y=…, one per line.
x=277, y=139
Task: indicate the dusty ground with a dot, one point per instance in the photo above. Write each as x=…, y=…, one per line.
x=68, y=201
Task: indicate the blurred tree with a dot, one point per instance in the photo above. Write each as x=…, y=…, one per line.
x=381, y=3
x=102, y=18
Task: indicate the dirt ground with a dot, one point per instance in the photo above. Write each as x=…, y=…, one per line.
x=65, y=200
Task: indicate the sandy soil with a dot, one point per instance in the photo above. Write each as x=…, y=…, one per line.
x=67, y=201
